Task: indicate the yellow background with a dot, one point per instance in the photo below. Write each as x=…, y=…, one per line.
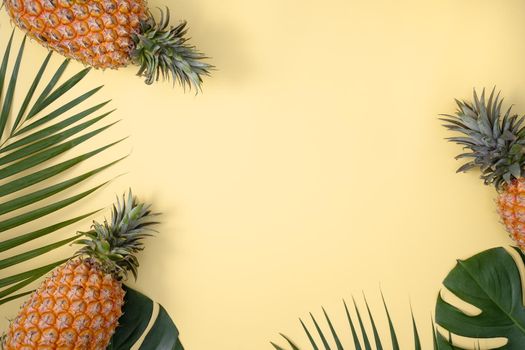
x=313, y=166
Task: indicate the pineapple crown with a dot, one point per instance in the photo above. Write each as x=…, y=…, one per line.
x=114, y=244
x=161, y=50
x=492, y=143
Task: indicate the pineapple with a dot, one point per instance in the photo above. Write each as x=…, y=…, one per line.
x=79, y=304
x=494, y=143
x=112, y=34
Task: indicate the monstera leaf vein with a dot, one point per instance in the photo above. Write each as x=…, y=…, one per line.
x=332, y=330
x=492, y=298
x=491, y=282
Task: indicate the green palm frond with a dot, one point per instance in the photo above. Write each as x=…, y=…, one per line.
x=363, y=330
x=33, y=135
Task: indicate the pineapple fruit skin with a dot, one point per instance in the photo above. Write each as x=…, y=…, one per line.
x=511, y=207
x=96, y=32
x=77, y=307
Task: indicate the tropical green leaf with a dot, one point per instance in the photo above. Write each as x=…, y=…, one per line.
x=30, y=254
x=27, y=274
x=28, y=146
x=15, y=296
x=38, y=158
x=393, y=335
x=31, y=91
x=57, y=112
x=377, y=339
x=22, y=239
x=417, y=341
x=49, y=87
x=10, y=93
x=43, y=211
x=50, y=130
x=60, y=91
x=290, y=342
x=144, y=325
x=25, y=200
x=355, y=339
x=491, y=282
x=38, y=176
x=49, y=141
x=362, y=327
x=5, y=62
x=358, y=324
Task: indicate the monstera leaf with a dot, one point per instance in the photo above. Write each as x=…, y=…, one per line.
x=144, y=325
x=492, y=282
x=34, y=135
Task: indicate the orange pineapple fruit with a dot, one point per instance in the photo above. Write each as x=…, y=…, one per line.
x=511, y=207
x=112, y=34
x=494, y=142
x=79, y=304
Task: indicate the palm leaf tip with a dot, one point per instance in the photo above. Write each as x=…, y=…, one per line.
x=277, y=347
x=393, y=335
x=354, y=322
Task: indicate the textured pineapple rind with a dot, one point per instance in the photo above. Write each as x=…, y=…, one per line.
x=77, y=307
x=97, y=33
x=511, y=207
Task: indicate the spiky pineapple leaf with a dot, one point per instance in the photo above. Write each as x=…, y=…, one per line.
x=492, y=142
x=162, y=51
